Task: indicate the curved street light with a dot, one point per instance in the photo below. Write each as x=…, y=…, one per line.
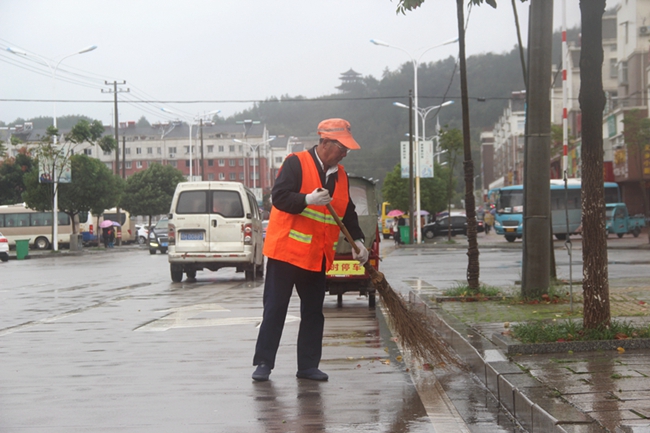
x=254, y=147
x=55, y=195
x=424, y=112
x=415, y=93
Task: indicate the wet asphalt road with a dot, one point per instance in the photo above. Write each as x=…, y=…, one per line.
x=106, y=342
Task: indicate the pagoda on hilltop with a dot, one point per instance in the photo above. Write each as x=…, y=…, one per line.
x=349, y=80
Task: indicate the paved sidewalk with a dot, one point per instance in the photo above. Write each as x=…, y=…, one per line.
x=598, y=391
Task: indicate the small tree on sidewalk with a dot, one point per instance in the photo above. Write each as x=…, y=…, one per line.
x=150, y=192
x=93, y=187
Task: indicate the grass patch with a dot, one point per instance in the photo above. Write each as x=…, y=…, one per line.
x=571, y=330
x=463, y=290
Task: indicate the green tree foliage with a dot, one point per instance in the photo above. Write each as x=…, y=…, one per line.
x=93, y=189
x=150, y=192
x=91, y=132
x=12, y=171
x=43, y=122
x=143, y=123
x=433, y=191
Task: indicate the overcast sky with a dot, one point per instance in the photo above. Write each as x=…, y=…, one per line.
x=222, y=50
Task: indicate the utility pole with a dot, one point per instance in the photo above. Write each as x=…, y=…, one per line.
x=115, y=91
x=411, y=189
x=202, y=163
x=537, y=197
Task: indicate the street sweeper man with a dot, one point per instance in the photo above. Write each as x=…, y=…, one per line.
x=300, y=243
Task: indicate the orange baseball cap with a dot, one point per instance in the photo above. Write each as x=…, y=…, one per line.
x=339, y=130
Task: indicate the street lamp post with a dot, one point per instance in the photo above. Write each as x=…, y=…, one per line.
x=254, y=147
x=415, y=97
x=189, y=121
x=424, y=112
x=55, y=188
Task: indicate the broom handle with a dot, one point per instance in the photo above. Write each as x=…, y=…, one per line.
x=345, y=231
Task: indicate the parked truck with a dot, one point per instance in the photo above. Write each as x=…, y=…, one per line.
x=619, y=222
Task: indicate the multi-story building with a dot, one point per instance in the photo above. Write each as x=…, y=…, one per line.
x=508, y=148
x=215, y=153
x=633, y=75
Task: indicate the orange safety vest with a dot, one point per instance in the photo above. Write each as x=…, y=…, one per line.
x=303, y=239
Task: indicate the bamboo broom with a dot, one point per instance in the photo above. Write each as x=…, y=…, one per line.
x=412, y=326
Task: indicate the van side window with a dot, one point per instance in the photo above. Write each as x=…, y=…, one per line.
x=253, y=204
x=227, y=203
x=192, y=202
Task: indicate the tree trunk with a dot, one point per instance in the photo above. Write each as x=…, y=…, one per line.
x=473, y=269
x=595, y=284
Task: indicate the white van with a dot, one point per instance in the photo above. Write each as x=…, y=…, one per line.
x=214, y=225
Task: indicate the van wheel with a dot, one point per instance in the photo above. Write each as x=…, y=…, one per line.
x=191, y=273
x=636, y=232
x=371, y=300
x=249, y=274
x=560, y=236
x=511, y=238
x=177, y=274
x=620, y=235
x=41, y=243
x=152, y=252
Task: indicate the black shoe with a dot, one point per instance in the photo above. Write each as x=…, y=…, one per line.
x=262, y=373
x=312, y=374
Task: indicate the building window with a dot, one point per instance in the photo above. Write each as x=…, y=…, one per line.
x=138, y=164
x=210, y=176
x=88, y=152
x=210, y=162
x=210, y=149
x=232, y=163
x=149, y=164
x=107, y=152
x=172, y=150
x=128, y=164
x=172, y=163
x=187, y=149
x=231, y=148
x=241, y=176
x=278, y=159
x=613, y=68
x=241, y=148
x=220, y=148
x=159, y=150
x=222, y=163
x=149, y=150
x=241, y=162
x=187, y=163
x=222, y=176
x=109, y=165
x=128, y=151
x=233, y=176
x=138, y=151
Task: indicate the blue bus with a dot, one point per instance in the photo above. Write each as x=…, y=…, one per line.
x=508, y=201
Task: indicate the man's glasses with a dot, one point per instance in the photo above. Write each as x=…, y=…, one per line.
x=344, y=150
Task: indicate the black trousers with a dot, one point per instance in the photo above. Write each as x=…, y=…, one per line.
x=281, y=277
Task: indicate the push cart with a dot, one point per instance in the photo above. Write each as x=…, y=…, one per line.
x=346, y=274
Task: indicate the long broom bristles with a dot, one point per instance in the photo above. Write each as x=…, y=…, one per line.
x=412, y=326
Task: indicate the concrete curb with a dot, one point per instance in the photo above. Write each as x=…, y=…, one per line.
x=47, y=254
x=526, y=399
